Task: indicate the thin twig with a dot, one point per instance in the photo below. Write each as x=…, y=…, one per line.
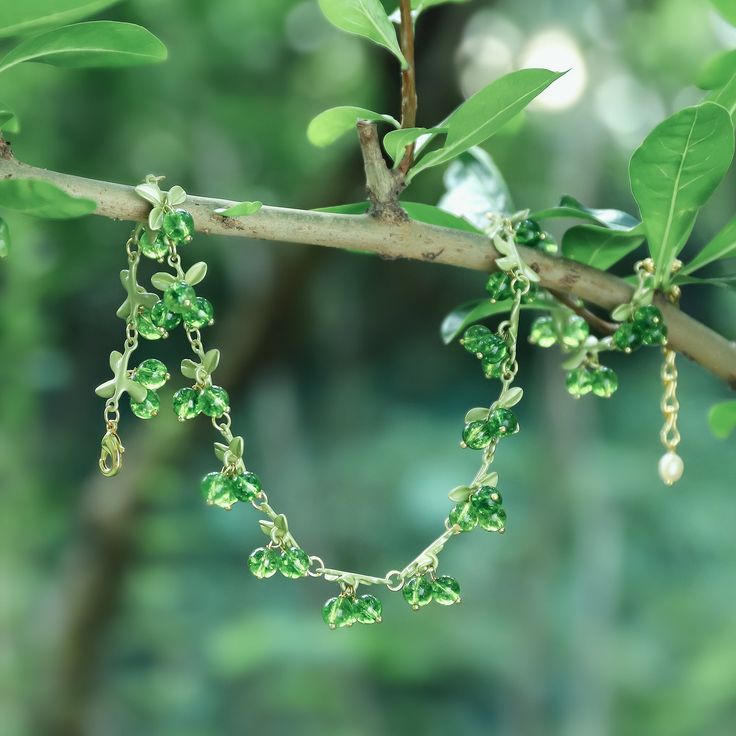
x=598, y=324
x=410, y=239
x=408, y=81
x=382, y=184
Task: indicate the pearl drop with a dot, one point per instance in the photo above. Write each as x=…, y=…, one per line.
x=671, y=468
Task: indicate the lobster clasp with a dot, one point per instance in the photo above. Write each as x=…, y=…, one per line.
x=111, y=455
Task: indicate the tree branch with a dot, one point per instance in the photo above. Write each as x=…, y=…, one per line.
x=605, y=328
x=408, y=81
x=408, y=239
x=382, y=184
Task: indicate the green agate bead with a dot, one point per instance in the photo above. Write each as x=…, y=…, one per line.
x=494, y=350
x=338, y=612
x=185, y=404
x=627, y=337
x=179, y=226
x=367, y=609
x=246, y=486
x=477, y=435
x=294, y=563
x=464, y=515
x=200, y=314
x=151, y=373
x=417, y=592
x=528, y=232
x=446, y=590
x=579, y=382
x=264, y=562
x=543, y=332
x=649, y=324
x=148, y=408
x=213, y=401
x=179, y=297
x=498, y=287
x=575, y=332
x=486, y=500
x=502, y=422
x=604, y=382
x=492, y=519
x=156, y=248
x=146, y=328
x=163, y=317
x=217, y=490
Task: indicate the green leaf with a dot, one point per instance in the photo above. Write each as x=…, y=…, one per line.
x=722, y=419
x=396, y=141
x=718, y=70
x=722, y=282
x=101, y=43
x=727, y=9
x=418, y=211
x=675, y=171
x=431, y=215
x=366, y=18
x=470, y=312
x=22, y=16
x=474, y=187
x=240, y=210
x=329, y=125
x=722, y=246
x=486, y=112
x=8, y=120
x=570, y=207
x=4, y=239
x=598, y=246
x=41, y=199
x=726, y=97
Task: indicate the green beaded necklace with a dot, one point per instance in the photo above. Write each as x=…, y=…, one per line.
x=478, y=504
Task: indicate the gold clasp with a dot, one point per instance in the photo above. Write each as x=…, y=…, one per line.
x=111, y=455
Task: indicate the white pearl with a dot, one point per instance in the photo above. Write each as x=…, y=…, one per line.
x=671, y=468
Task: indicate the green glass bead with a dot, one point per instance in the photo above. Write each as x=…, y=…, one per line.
x=200, y=314
x=338, y=612
x=151, y=373
x=491, y=369
x=185, y=404
x=502, y=422
x=446, y=590
x=156, y=248
x=475, y=338
x=163, y=317
x=649, y=324
x=492, y=519
x=367, y=609
x=179, y=226
x=246, y=486
x=146, y=328
x=417, y=592
x=627, y=337
x=575, y=331
x=217, y=490
x=495, y=349
x=148, y=408
x=213, y=401
x=486, y=500
x=543, y=332
x=604, y=382
x=547, y=244
x=579, y=381
x=179, y=297
x=464, y=515
x=528, y=232
x=294, y=563
x=498, y=287
x=477, y=435
x=264, y=562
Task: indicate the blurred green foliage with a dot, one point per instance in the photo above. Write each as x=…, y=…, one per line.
x=125, y=606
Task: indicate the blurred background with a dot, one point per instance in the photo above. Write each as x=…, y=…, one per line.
x=608, y=607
